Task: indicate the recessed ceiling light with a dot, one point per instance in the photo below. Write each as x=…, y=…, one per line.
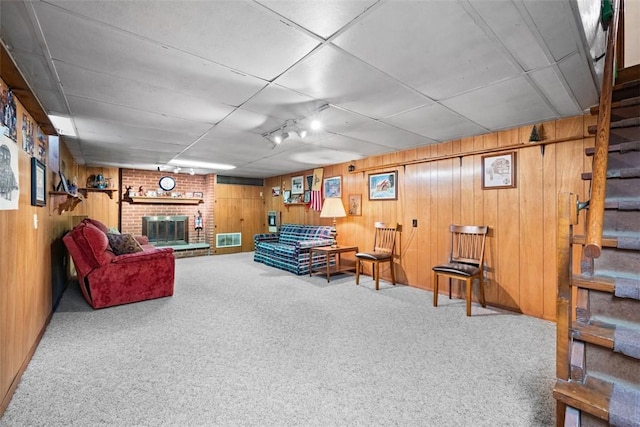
x=63, y=124
x=200, y=165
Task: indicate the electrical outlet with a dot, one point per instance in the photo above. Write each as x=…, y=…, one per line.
x=415, y=222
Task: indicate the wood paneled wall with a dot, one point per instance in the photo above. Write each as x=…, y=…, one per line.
x=441, y=184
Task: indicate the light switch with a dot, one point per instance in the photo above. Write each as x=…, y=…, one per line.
x=35, y=221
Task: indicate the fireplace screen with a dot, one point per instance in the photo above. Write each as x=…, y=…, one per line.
x=166, y=230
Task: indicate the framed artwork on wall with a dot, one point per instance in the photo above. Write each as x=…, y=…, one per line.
x=38, y=183
x=383, y=186
x=355, y=204
x=297, y=185
x=332, y=187
x=499, y=171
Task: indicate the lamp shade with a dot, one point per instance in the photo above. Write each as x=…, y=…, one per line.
x=332, y=208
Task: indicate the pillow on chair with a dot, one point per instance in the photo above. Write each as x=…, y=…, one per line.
x=123, y=244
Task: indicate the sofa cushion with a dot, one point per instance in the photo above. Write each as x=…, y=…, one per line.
x=123, y=243
x=93, y=243
x=100, y=226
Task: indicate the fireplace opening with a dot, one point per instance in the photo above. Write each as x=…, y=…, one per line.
x=166, y=230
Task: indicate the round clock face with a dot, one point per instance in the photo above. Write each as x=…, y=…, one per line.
x=167, y=183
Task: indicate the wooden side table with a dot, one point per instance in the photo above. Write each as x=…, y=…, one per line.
x=328, y=252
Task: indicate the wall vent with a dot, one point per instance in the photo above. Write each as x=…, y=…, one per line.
x=228, y=240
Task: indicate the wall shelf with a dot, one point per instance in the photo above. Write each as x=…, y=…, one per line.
x=163, y=200
x=64, y=201
x=297, y=204
x=108, y=191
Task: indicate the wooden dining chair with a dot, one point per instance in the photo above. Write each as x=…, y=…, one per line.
x=465, y=263
x=384, y=243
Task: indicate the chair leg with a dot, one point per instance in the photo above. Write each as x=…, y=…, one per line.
x=358, y=271
x=469, y=282
x=393, y=279
x=435, y=289
x=377, y=274
x=481, y=285
x=450, y=286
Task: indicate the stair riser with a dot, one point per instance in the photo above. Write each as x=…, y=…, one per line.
x=626, y=188
x=617, y=160
x=603, y=305
x=625, y=112
x=617, y=136
x=603, y=361
x=623, y=261
x=629, y=92
x=616, y=221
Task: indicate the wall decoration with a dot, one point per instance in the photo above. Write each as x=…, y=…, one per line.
x=28, y=138
x=275, y=191
x=355, y=204
x=333, y=187
x=9, y=175
x=54, y=154
x=198, y=194
x=297, y=185
x=286, y=196
x=8, y=113
x=38, y=183
x=307, y=196
x=64, y=185
x=499, y=171
x=383, y=186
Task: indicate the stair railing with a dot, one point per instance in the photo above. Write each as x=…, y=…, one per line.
x=593, y=244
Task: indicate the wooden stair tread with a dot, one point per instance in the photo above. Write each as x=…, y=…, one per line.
x=597, y=333
x=623, y=204
x=607, y=241
x=629, y=102
x=624, y=123
x=622, y=147
x=592, y=397
x=595, y=283
x=628, y=74
x=616, y=173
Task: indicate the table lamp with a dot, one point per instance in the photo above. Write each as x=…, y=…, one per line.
x=333, y=208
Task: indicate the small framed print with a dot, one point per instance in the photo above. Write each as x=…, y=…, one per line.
x=383, y=186
x=355, y=204
x=38, y=182
x=499, y=171
x=198, y=194
x=297, y=185
x=332, y=187
x=307, y=196
x=286, y=195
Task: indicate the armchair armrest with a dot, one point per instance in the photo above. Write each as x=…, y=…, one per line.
x=144, y=256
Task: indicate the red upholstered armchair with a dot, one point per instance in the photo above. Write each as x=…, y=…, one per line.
x=107, y=279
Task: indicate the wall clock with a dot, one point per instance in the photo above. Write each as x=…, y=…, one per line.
x=167, y=183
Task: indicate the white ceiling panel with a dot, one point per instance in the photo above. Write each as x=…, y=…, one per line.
x=388, y=136
x=513, y=29
x=239, y=34
x=436, y=122
x=141, y=60
x=440, y=50
x=147, y=81
x=140, y=96
x=340, y=79
x=486, y=106
x=322, y=18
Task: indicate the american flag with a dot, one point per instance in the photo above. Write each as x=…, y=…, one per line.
x=316, y=200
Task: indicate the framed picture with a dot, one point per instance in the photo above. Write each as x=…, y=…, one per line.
x=355, y=204
x=307, y=196
x=297, y=185
x=383, y=186
x=63, y=186
x=333, y=187
x=286, y=195
x=275, y=191
x=198, y=194
x=499, y=171
x=38, y=183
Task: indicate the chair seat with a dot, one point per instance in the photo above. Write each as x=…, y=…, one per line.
x=373, y=256
x=457, y=268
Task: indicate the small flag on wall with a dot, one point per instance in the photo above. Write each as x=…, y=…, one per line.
x=316, y=190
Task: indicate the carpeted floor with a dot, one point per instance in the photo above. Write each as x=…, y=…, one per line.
x=243, y=344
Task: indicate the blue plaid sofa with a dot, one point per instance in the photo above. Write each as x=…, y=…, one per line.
x=289, y=248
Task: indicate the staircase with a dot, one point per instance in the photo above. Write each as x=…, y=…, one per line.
x=599, y=333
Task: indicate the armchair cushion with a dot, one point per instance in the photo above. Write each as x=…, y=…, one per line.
x=123, y=244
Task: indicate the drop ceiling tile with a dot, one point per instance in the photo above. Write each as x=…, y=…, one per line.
x=508, y=24
x=440, y=50
x=42, y=81
x=436, y=122
x=501, y=105
x=119, y=116
x=550, y=83
x=581, y=83
x=547, y=17
x=340, y=79
x=322, y=18
x=388, y=136
x=111, y=51
x=282, y=103
x=241, y=35
x=351, y=148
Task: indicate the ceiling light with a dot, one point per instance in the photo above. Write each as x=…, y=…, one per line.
x=191, y=172
x=315, y=124
x=200, y=164
x=176, y=170
x=63, y=125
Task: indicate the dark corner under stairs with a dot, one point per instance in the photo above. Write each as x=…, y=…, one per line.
x=604, y=331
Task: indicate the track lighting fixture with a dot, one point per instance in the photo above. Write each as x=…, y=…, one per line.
x=176, y=169
x=290, y=126
x=191, y=172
